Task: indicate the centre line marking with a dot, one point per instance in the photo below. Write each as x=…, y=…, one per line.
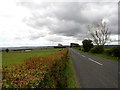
x=95, y=61
x=82, y=55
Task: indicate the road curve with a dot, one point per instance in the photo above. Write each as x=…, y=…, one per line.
x=94, y=72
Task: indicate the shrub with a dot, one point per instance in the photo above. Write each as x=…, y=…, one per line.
x=108, y=52
x=97, y=49
x=116, y=51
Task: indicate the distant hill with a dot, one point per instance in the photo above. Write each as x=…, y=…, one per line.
x=25, y=47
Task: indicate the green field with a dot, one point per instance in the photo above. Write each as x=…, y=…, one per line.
x=17, y=57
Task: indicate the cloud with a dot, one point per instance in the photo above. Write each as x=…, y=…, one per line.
x=36, y=34
x=71, y=18
x=54, y=38
x=33, y=20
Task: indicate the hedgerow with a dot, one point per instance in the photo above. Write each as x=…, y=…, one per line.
x=114, y=51
x=37, y=72
x=97, y=49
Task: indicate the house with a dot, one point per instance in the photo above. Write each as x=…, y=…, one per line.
x=60, y=46
x=74, y=45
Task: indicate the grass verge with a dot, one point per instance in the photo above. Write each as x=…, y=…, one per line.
x=105, y=56
x=71, y=77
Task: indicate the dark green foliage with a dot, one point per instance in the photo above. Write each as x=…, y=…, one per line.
x=7, y=50
x=108, y=51
x=97, y=49
x=116, y=51
x=87, y=45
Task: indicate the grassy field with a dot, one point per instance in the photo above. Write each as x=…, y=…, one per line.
x=17, y=57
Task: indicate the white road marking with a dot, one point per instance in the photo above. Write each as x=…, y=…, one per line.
x=82, y=55
x=95, y=61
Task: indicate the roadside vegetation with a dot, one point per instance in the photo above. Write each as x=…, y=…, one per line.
x=112, y=53
x=103, y=55
x=71, y=76
x=50, y=68
x=41, y=72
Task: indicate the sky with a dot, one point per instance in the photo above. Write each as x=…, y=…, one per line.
x=48, y=23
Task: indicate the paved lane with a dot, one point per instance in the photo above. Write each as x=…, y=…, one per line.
x=94, y=72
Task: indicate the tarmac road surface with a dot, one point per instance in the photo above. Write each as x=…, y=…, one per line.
x=94, y=72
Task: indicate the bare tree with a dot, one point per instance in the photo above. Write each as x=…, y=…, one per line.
x=100, y=33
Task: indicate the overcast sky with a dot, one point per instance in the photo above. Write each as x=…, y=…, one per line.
x=38, y=23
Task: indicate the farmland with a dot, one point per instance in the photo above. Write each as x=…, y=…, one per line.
x=17, y=57
x=38, y=69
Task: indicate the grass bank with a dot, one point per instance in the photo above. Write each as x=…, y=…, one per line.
x=105, y=56
x=71, y=76
x=102, y=55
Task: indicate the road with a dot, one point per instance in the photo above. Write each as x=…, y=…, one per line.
x=94, y=72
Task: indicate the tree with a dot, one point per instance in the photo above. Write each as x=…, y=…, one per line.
x=100, y=33
x=7, y=50
x=87, y=45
